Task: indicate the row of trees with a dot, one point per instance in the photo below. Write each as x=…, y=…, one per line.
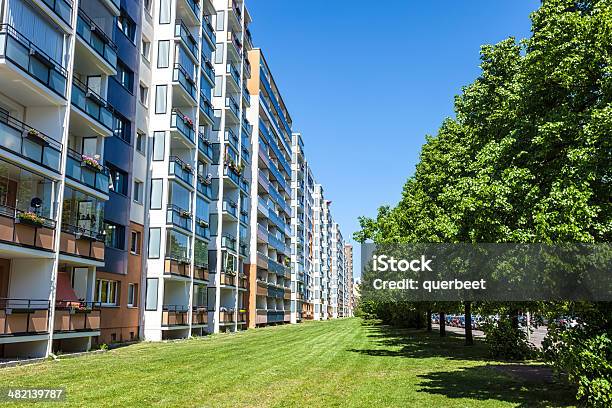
x=527, y=159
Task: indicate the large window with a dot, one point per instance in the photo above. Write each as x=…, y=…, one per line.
x=157, y=189
x=83, y=212
x=107, y=292
x=154, y=242
x=132, y=295
x=115, y=235
x=24, y=190
x=125, y=77
x=163, y=54
x=120, y=180
x=137, y=193
x=126, y=25
x=151, y=298
x=161, y=93
x=179, y=196
x=121, y=127
x=200, y=253
x=159, y=140
x=177, y=245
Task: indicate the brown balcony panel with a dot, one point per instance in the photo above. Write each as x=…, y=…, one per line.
x=287, y=294
x=174, y=267
x=83, y=247
x=262, y=317
x=200, y=317
x=287, y=317
x=92, y=320
x=172, y=318
x=201, y=273
x=23, y=322
x=242, y=282
x=242, y=316
x=226, y=317
x=228, y=280
x=62, y=320
x=262, y=289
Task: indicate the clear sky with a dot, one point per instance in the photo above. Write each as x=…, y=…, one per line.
x=365, y=81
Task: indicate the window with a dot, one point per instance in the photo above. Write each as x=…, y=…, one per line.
x=125, y=77
x=159, y=139
x=120, y=180
x=121, y=127
x=143, y=95
x=163, y=54
x=126, y=25
x=218, y=81
x=164, y=11
x=135, y=242
x=160, y=98
x=154, y=242
x=115, y=235
x=138, y=190
x=106, y=292
x=151, y=299
x=141, y=140
x=220, y=20
x=132, y=298
x=146, y=50
x=157, y=189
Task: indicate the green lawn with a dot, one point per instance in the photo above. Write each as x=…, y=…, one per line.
x=316, y=364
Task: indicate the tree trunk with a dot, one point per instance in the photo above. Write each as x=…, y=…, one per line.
x=514, y=318
x=469, y=338
x=442, y=324
x=429, y=320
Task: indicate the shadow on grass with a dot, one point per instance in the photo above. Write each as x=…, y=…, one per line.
x=488, y=383
x=412, y=343
x=521, y=384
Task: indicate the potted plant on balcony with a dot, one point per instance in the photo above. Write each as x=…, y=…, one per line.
x=185, y=214
x=187, y=120
x=37, y=137
x=30, y=218
x=208, y=179
x=187, y=167
x=91, y=162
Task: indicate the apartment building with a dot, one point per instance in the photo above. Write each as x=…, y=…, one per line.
x=269, y=269
x=348, y=255
x=302, y=247
x=150, y=184
x=338, y=274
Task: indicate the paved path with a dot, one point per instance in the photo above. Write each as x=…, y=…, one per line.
x=536, y=336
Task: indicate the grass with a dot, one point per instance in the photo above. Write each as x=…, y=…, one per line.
x=339, y=363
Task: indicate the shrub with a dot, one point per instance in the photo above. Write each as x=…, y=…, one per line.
x=506, y=341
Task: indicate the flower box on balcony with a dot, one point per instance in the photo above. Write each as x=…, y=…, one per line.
x=185, y=214
x=187, y=121
x=91, y=162
x=37, y=137
x=30, y=218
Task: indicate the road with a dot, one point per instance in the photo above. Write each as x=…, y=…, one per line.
x=536, y=336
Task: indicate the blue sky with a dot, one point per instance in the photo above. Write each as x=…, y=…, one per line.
x=365, y=84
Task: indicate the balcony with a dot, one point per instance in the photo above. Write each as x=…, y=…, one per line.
x=182, y=32
x=205, y=146
x=62, y=8
x=178, y=217
x=81, y=242
x=234, y=47
x=82, y=169
x=201, y=272
x=113, y=5
x=227, y=316
x=181, y=170
x=182, y=124
x=204, y=187
x=206, y=108
x=244, y=217
x=228, y=279
x=234, y=74
x=208, y=32
x=17, y=49
x=233, y=107
x=20, y=139
x=262, y=233
x=244, y=185
x=202, y=229
x=208, y=69
x=232, y=175
x=199, y=316
x=231, y=137
x=174, y=315
x=20, y=228
x=189, y=10
x=244, y=251
x=95, y=114
x=231, y=208
x=242, y=316
x=176, y=266
x=228, y=242
x=189, y=92
x=95, y=51
x=71, y=316
x=23, y=317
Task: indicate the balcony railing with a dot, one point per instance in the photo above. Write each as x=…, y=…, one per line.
x=16, y=48
x=228, y=241
x=208, y=68
x=71, y=316
x=79, y=170
x=244, y=216
x=176, y=264
x=174, y=315
x=92, y=104
x=244, y=251
x=96, y=38
x=204, y=186
x=231, y=173
x=231, y=103
x=181, y=31
x=206, y=106
x=235, y=74
x=231, y=137
x=179, y=217
x=27, y=142
x=199, y=315
x=63, y=9
x=230, y=207
x=180, y=75
x=19, y=317
x=183, y=124
x=202, y=229
x=19, y=229
x=195, y=7
x=244, y=185
x=180, y=169
x=208, y=30
x=205, y=146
